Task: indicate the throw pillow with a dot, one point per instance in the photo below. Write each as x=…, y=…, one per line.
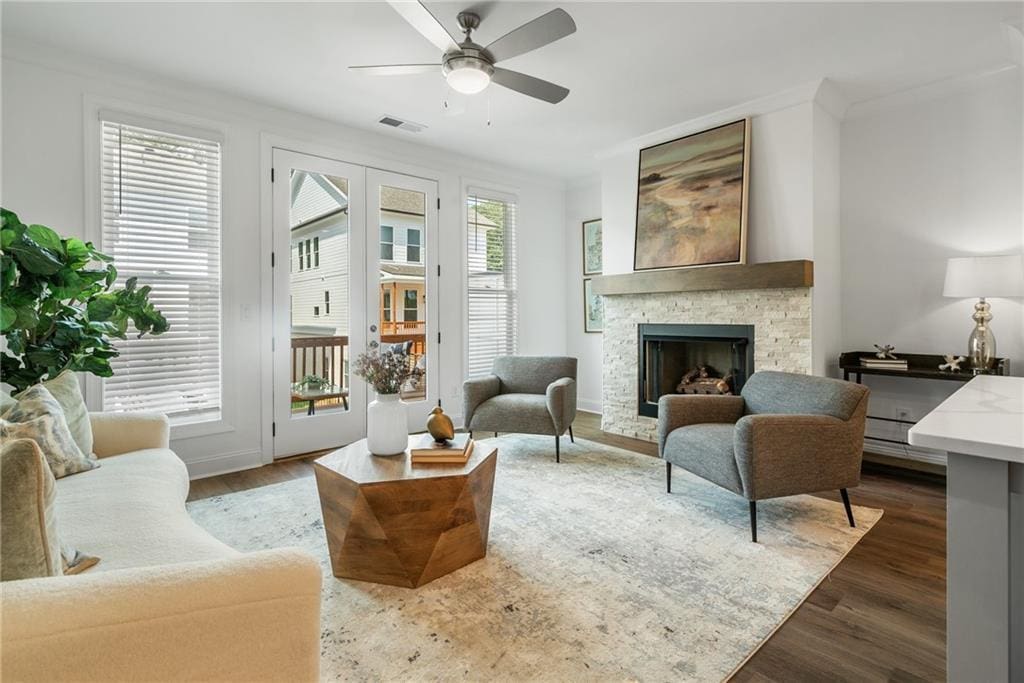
x=5, y=402
x=39, y=417
x=28, y=521
x=30, y=546
x=65, y=389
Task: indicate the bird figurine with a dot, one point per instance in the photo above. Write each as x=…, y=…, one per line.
x=440, y=426
x=952, y=363
x=885, y=351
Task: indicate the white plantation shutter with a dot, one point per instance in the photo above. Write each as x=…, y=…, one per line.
x=161, y=223
x=491, y=279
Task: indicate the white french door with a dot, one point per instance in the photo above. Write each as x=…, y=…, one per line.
x=401, y=286
x=353, y=250
x=319, y=313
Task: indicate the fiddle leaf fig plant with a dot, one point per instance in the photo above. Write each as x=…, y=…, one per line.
x=59, y=308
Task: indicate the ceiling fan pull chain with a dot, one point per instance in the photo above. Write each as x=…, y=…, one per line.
x=488, y=111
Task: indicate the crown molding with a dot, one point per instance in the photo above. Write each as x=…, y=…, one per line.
x=791, y=97
x=975, y=80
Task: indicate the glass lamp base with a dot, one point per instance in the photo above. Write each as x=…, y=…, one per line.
x=981, y=345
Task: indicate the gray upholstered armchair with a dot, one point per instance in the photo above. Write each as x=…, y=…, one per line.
x=524, y=394
x=784, y=435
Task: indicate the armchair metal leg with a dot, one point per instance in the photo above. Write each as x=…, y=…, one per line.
x=571, y=437
x=470, y=434
x=557, y=454
x=753, y=521
x=668, y=477
x=846, y=503
x=495, y=435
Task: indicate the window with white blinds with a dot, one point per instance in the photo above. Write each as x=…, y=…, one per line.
x=161, y=203
x=492, y=311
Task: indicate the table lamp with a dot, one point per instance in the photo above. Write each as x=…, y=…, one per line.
x=982, y=277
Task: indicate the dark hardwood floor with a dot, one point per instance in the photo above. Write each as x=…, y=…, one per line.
x=880, y=615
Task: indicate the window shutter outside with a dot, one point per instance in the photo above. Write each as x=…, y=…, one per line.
x=161, y=222
x=492, y=304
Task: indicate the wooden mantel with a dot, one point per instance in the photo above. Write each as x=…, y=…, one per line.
x=774, y=275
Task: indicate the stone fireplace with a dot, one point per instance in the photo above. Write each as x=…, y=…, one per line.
x=775, y=320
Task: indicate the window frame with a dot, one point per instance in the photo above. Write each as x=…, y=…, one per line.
x=389, y=243
x=96, y=110
x=510, y=195
x=418, y=246
x=405, y=307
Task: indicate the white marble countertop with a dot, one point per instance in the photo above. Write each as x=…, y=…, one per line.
x=985, y=418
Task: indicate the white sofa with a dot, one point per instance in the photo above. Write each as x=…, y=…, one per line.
x=167, y=600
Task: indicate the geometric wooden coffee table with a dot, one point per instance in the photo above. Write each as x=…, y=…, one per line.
x=389, y=522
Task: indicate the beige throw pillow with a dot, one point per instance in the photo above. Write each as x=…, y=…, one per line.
x=38, y=416
x=64, y=387
x=30, y=545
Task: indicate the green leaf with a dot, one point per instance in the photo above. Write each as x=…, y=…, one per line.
x=7, y=317
x=45, y=238
x=34, y=258
x=78, y=252
x=102, y=307
x=8, y=218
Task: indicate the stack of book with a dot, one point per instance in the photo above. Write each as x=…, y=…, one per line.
x=455, y=451
x=883, y=363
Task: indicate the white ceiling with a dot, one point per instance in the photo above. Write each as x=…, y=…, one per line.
x=632, y=67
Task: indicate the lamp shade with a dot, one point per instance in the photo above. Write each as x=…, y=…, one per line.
x=984, y=276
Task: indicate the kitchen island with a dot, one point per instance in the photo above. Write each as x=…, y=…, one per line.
x=981, y=426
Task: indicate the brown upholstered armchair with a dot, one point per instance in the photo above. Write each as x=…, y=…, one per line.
x=784, y=435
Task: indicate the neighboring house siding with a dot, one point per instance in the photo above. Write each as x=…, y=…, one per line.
x=308, y=285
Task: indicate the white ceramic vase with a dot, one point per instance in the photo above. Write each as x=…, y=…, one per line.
x=387, y=427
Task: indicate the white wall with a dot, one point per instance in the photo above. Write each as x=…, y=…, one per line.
x=826, y=308
x=927, y=175
x=582, y=203
x=45, y=97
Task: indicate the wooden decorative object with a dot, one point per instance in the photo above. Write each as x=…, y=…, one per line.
x=391, y=523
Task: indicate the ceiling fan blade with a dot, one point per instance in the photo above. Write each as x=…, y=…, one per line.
x=545, y=29
x=397, y=69
x=423, y=21
x=528, y=85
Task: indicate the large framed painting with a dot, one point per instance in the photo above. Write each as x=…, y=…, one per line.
x=592, y=257
x=593, y=308
x=691, y=207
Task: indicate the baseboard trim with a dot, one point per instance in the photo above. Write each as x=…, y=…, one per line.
x=223, y=463
x=586, y=406
x=905, y=452
x=904, y=463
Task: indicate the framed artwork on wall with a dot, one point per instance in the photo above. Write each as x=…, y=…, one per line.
x=691, y=207
x=592, y=258
x=593, y=308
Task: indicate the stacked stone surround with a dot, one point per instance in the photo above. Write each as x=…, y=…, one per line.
x=782, y=339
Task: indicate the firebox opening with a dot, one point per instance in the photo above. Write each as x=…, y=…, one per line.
x=692, y=359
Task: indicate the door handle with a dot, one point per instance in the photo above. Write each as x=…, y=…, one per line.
x=373, y=344
x=373, y=328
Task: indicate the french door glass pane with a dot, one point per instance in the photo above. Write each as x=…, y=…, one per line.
x=320, y=287
x=403, y=312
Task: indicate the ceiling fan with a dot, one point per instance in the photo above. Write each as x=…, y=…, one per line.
x=468, y=67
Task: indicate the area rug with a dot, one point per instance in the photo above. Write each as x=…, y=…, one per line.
x=593, y=572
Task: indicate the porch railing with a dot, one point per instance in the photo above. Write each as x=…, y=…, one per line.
x=325, y=356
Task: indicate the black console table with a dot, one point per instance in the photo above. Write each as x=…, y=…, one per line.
x=919, y=366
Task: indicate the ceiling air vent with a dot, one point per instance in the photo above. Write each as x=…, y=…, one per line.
x=401, y=125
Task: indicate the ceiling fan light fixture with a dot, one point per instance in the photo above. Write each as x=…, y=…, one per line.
x=468, y=75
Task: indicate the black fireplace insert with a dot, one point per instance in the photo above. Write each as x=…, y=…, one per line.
x=692, y=359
